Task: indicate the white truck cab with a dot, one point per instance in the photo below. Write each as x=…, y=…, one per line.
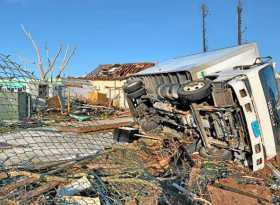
x=257, y=91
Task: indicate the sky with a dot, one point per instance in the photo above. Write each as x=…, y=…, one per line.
x=129, y=31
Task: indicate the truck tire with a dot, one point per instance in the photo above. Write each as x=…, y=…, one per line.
x=174, y=91
x=215, y=154
x=133, y=86
x=168, y=91
x=194, y=91
x=162, y=90
x=137, y=93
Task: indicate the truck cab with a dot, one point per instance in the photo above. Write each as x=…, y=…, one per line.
x=256, y=89
x=226, y=102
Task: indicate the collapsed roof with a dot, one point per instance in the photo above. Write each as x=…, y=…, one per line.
x=116, y=71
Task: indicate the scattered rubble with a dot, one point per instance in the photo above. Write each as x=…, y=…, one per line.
x=147, y=171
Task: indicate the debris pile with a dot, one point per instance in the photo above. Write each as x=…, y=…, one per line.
x=93, y=111
x=147, y=171
x=122, y=174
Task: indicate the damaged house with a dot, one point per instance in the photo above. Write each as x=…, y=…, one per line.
x=110, y=78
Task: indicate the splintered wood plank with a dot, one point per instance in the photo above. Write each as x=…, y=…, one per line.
x=12, y=186
x=38, y=191
x=94, y=128
x=35, y=175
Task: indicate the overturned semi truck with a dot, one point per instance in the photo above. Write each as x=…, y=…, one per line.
x=226, y=100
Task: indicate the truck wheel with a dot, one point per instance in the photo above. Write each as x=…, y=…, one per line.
x=194, y=91
x=137, y=93
x=169, y=91
x=133, y=86
x=174, y=91
x=215, y=153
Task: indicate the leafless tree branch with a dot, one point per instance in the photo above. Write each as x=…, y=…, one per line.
x=53, y=61
x=69, y=52
x=47, y=54
x=39, y=63
x=66, y=59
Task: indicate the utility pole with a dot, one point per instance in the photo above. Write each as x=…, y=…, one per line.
x=204, y=13
x=239, y=22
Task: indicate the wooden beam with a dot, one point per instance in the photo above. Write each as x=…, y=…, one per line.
x=38, y=191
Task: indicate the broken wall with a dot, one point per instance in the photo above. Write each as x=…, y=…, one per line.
x=113, y=90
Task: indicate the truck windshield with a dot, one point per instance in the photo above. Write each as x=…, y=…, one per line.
x=270, y=87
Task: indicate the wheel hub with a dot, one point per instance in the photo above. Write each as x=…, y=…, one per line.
x=192, y=86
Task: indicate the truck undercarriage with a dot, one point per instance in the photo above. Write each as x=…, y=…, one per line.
x=205, y=111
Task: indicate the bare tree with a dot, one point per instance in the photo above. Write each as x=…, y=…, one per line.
x=44, y=71
x=68, y=55
x=51, y=63
x=39, y=63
